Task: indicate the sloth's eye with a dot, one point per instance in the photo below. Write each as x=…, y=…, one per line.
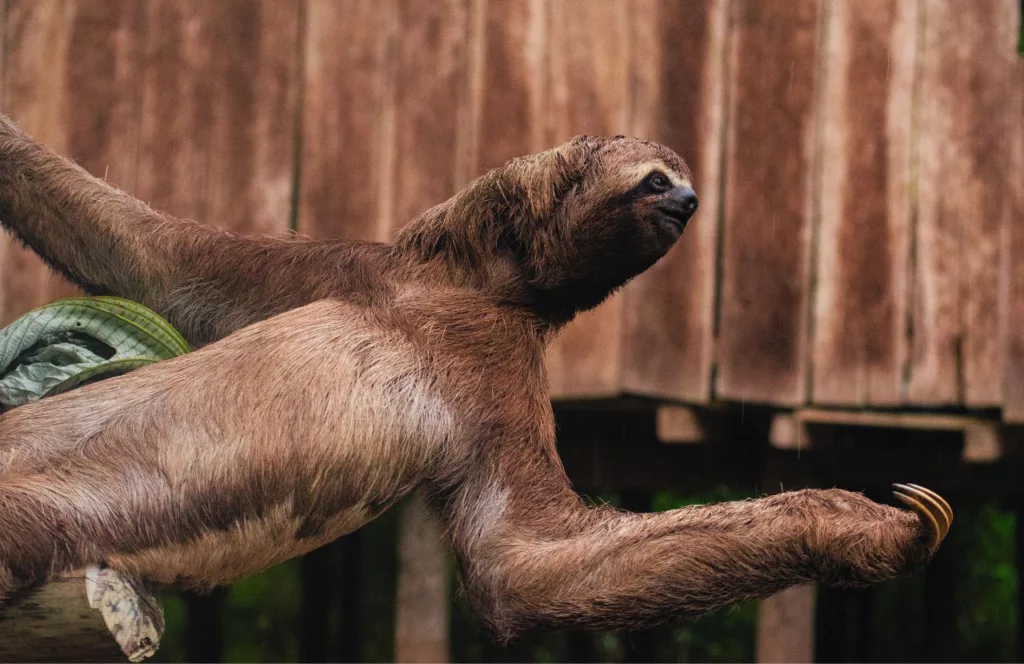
x=658, y=182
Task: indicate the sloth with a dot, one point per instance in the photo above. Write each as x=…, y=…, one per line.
x=334, y=377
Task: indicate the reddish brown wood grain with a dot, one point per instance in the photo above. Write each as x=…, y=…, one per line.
x=678, y=99
x=859, y=346
x=70, y=81
x=767, y=225
x=1013, y=284
x=343, y=151
x=968, y=60
x=509, y=82
x=427, y=109
x=218, y=106
x=589, y=93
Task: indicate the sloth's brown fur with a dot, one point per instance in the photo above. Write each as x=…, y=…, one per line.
x=336, y=376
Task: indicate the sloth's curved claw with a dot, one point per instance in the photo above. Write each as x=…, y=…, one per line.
x=934, y=512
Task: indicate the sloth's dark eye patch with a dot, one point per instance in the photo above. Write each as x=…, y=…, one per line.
x=657, y=182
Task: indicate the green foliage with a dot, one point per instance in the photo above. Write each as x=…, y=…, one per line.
x=261, y=616
x=66, y=343
x=986, y=588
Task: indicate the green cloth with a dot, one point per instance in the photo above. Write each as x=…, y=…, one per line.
x=66, y=343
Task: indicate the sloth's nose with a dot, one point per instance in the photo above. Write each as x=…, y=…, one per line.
x=680, y=202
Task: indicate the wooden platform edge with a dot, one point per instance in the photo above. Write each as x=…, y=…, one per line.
x=983, y=437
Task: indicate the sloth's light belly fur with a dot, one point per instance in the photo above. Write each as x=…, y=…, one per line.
x=222, y=557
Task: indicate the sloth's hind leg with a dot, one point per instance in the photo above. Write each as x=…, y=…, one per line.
x=37, y=537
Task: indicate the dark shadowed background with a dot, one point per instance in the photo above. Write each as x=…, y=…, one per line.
x=847, y=308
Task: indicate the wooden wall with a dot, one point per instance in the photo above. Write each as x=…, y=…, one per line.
x=860, y=240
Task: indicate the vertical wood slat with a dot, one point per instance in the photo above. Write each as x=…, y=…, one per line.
x=218, y=110
x=70, y=82
x=589, y=94
x=428, y=102
x=512, y=48
x=968, y=60
x=1013, y=267
x=669, y=310
x=767, y=213
x=859, y=347
x=343, y=155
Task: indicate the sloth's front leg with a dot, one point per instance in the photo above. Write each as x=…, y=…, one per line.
x=535, y=556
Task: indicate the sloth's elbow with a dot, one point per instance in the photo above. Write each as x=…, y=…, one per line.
x=511, y=598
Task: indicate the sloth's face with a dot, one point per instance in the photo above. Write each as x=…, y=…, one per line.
x=626, y=203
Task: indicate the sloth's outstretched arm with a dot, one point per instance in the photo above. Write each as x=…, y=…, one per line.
x=533, y=555
x=206, y=281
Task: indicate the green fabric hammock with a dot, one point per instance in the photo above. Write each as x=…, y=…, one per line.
x=66, y=343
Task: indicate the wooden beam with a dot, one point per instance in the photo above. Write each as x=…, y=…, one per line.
x=802, y=428
x=680, y=424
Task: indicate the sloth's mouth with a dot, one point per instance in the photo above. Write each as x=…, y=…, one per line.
x=676, y=208
x=674, y=221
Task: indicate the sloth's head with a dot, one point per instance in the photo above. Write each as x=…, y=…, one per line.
x=561, y=230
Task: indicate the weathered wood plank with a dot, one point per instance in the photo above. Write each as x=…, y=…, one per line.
x=768, y=196
x=1013, y=232
x=669, y=310
x=859, y=348
x=589, y=94
x=428, y=106
x=70, y=82
x=343, y=152
x=219, y=88
x=509, y=117
x=968, y=60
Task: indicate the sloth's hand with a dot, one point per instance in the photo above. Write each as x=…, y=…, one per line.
x=857, y=541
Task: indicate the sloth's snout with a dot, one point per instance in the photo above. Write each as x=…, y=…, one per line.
x=679, y=203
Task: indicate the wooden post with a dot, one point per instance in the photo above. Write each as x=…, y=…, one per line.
x=785, y=630
x=421, y=620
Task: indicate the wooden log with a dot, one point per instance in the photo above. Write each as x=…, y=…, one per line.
x=785, y=626
x=88, y=615
x=965, y=123
x=589, y=83
x=859, y=347
x=770, y=156
x=678, y=98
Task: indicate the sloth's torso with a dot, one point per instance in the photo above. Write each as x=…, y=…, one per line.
x=277, y=472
